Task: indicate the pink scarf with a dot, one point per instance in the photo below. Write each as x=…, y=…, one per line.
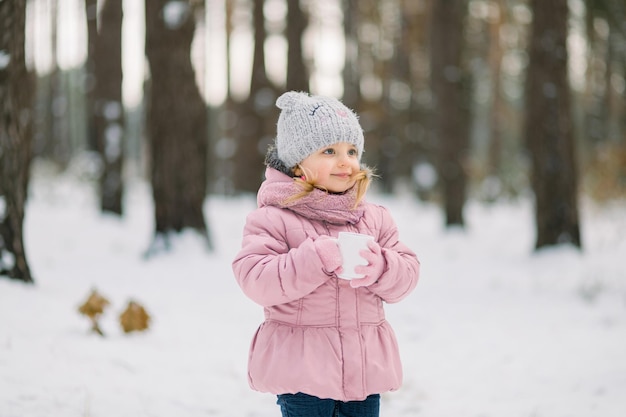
x=318, y=205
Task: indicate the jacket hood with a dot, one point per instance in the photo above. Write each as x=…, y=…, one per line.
x=273, y=161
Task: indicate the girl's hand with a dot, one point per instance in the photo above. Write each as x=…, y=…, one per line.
x=374, y=268
x=328, y=251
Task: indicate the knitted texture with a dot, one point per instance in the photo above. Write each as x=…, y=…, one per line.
x=375, y=267
x=329, y=253
x=308, y=123
x=318, y=205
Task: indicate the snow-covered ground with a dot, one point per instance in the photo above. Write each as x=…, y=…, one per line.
x=492, y=329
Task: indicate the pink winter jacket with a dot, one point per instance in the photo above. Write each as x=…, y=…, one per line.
x=320, y=336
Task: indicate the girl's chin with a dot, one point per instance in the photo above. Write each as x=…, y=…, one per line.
x=340, y=189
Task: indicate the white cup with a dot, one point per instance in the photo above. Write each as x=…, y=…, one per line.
x=350, y=244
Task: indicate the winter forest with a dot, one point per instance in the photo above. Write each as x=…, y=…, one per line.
x=497, y=130
x=459, y=100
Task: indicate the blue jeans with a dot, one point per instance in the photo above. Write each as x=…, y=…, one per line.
x=303, y=405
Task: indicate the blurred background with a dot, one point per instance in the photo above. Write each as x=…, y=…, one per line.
x=475, y=99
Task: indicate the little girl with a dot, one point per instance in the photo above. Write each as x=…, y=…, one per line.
x=325, y=348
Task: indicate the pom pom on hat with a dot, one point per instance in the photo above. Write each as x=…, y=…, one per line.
x=308, y=123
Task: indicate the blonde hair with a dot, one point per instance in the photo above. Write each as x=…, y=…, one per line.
x=363, y=181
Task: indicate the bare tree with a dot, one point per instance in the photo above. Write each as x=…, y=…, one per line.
x=548, y=127
x=351, y=90
x=450, y=114
x=606, y=34
x=604, y=130
x=176, y=122
x=55, y=138
x=297, y=72
x=420, y=146
x=406, y=147
x=15, y=139
x=372, y=31
x=498, y=105
x=256, y=119
x=91, y=13
x=108, y=107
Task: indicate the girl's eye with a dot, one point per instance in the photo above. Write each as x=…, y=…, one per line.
x=353, y=152
x=328, y=151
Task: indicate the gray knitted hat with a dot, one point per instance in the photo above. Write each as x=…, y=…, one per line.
x=308, y=123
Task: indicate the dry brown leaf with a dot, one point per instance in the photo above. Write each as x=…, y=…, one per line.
x=134, y=318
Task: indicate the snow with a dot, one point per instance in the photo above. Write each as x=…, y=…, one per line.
x=5, y=59
x=113, y=139
x=175, y=13
x=492, y=328
x=112, y=110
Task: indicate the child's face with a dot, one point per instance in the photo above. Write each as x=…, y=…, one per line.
x=332, y=167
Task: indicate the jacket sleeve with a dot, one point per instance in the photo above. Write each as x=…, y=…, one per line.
x=270, y=272
x=402, y=268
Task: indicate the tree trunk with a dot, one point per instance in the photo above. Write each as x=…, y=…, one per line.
x=109, y=117
x=419, y=131
x=15, y=139
x=548, y=129
x=57, y=137
x=256, y=125
x=91, y=13
x=176, y=122
x=498, y=104
x=350, y=74
x=297, y=72
x=450, y=114
x=229, y=7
